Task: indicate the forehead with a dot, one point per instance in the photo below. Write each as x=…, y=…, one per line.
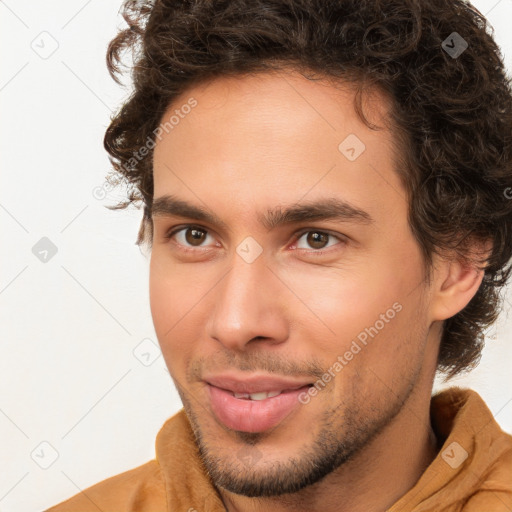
x=275, y=137
x=289, y=94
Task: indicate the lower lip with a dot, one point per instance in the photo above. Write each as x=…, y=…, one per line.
x=247, y=415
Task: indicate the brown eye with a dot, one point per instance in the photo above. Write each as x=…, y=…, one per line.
x=314, y=239
x=317, y=239
x=191, y=236
x=195, y=236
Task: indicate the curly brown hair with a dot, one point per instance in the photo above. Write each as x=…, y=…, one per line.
x=451, y=114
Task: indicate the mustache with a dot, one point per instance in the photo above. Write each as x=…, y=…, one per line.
x=254, y=362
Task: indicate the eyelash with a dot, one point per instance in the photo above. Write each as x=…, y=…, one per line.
x=297, y=236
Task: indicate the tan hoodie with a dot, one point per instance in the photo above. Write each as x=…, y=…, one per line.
x=471, y=473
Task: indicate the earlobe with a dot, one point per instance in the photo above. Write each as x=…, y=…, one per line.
x=456, y=285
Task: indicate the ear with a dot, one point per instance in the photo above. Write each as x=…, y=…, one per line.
x=456, y=282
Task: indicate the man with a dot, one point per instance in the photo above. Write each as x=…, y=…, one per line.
x=325, y=198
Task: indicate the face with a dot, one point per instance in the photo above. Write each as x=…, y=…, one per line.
x=282, y=262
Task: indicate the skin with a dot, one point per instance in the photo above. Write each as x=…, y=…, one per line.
x=268, y=140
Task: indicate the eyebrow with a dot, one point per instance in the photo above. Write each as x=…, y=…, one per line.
x=330, y=208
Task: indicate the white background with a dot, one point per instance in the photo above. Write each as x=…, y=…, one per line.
x=69, y=327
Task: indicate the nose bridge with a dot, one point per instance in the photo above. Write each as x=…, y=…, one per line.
x=247, y=304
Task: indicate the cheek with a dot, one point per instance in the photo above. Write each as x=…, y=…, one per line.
x=341, y=303
x=174, y=289
x=172, y=297
x=365, y=310
x=161, y=297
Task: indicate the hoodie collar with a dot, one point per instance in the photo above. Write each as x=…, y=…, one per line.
x=470, y=437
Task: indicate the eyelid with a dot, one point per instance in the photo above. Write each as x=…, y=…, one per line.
x=175, y=229
x=339, y=236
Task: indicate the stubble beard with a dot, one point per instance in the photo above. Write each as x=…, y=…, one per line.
x=342, y=433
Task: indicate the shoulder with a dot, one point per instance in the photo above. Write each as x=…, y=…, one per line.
x=494, y=491
x=141, y=489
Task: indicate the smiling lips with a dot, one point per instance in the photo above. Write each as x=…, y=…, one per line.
x=253, y=403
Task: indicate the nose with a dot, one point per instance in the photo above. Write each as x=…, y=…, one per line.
x=250, y=306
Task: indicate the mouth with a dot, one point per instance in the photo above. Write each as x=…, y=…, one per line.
x=253, y=405
x=257, y=396
x=262, y=395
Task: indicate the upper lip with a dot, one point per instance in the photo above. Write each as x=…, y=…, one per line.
x=254, y=383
